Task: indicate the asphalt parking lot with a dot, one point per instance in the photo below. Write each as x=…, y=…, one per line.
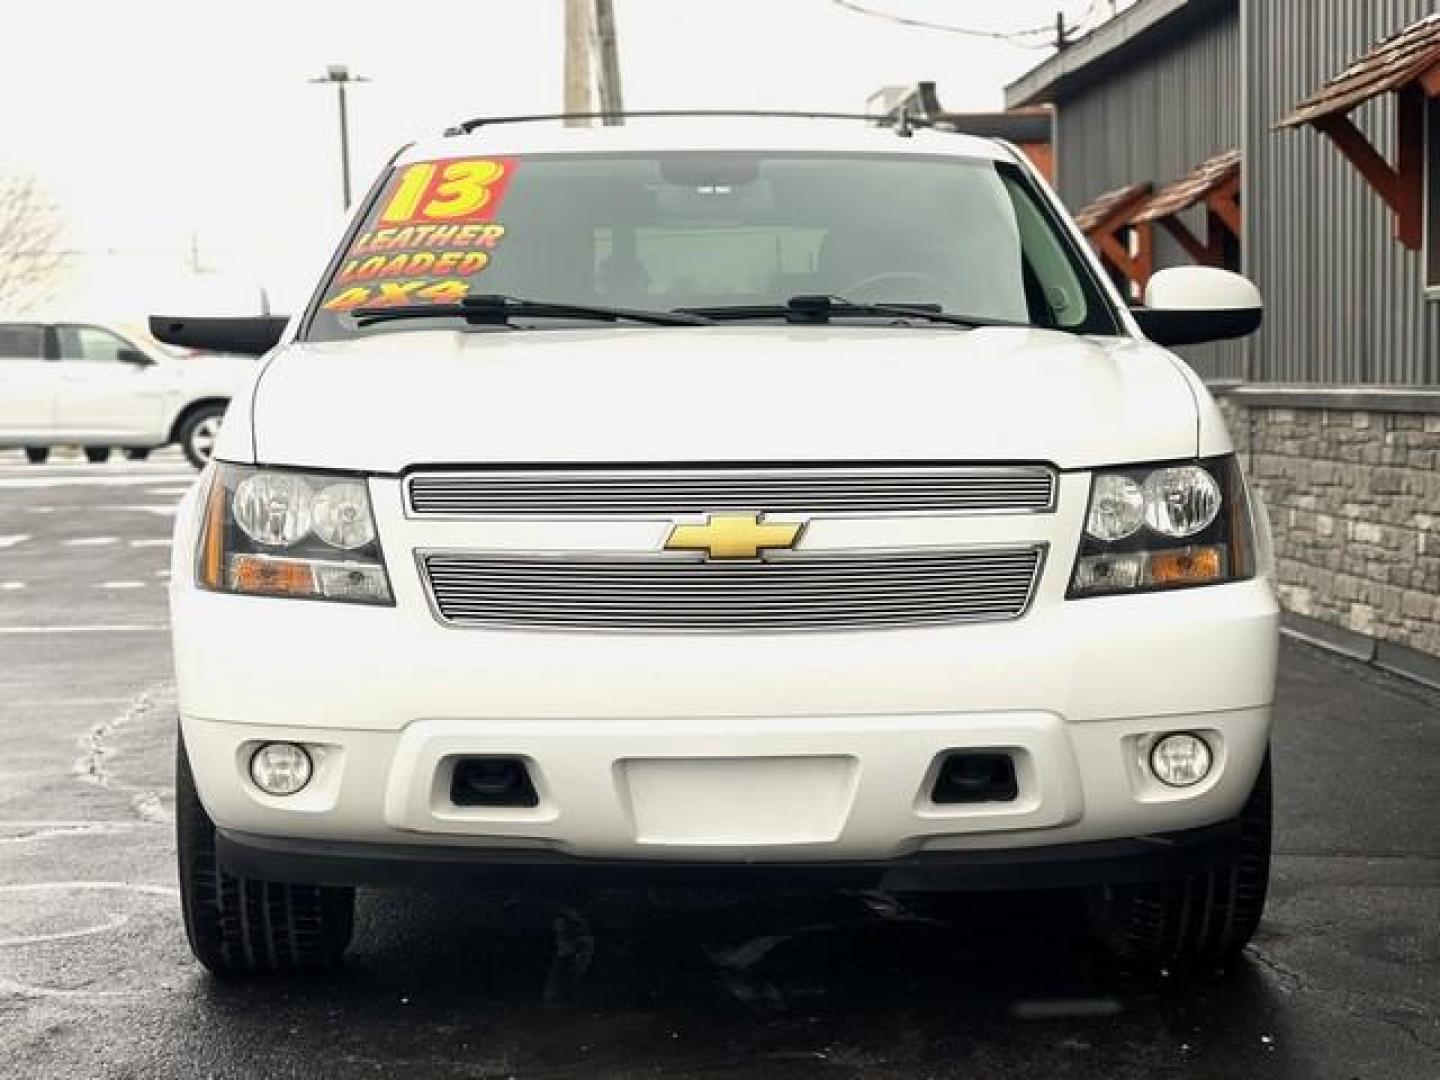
x=1343, y=980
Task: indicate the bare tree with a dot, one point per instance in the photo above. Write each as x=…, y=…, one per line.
x=30, y=230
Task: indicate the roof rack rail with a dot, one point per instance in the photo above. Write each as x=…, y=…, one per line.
x=903, y=121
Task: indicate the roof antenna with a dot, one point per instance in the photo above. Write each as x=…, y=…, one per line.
x=904, y=125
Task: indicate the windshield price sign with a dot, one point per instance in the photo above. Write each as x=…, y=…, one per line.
x=441, y=192
x=434, y=230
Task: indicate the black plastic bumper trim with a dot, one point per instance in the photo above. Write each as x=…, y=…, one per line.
x=322, y=862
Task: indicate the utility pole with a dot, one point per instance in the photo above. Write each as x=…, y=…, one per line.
x=611, y=99
x=577, y=59
x=340, y=76
x=591, y=41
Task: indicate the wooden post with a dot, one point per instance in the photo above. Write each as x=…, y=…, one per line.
x=1224, y=203
x=578, y=81
x=1144, y=257
x=1410, y=168
x=1403, y=186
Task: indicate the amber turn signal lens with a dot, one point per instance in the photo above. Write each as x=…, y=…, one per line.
x=212, y=554
x=271, y=577
x=1193, y=566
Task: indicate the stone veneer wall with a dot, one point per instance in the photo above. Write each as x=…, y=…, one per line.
x=1354, y=502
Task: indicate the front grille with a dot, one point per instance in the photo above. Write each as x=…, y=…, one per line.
x=939, y=489
x=662, y=594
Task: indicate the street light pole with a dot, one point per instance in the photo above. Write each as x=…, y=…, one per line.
x=340, y=76
x=344, y=147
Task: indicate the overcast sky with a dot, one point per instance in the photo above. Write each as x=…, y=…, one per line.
x=153, y=121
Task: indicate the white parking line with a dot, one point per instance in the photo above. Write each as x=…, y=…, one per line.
x=162, y=511
x=153, y=542
x=91, y=886
x=79, y=481
x=11, y=586
x=117, y=628
x=76, y=823
x=121, y=585
x=91, y=541
x=11, y=541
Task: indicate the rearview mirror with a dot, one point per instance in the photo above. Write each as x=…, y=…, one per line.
x=134, y=356
x=250, y=335
x=1190, y=305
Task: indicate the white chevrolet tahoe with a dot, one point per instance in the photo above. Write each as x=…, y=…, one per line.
x=101, y=385
x=768, y=498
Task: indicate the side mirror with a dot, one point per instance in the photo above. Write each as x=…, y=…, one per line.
x=250, y=335
x=134, y=356
x=1189, y=305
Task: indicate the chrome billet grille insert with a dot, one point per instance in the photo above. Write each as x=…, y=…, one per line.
x=661, y=594
x=916, y=490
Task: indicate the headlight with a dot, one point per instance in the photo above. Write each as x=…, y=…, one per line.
x=1165, y=527
x=272, y=508
x=274, y=532
x=1117, y=507
x=1182, y=501
x=341, y=513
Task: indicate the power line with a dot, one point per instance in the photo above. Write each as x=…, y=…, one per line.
x=924, y=24
x=1044, y=37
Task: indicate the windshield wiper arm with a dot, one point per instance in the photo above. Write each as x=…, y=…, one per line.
x=821, y=309
x=499, y=310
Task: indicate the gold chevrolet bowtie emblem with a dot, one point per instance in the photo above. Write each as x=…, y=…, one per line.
x=734, y=536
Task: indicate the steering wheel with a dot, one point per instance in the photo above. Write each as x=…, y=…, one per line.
x=868, y=288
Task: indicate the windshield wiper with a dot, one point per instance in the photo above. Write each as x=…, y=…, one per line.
x=821, y=309
x=499, y=310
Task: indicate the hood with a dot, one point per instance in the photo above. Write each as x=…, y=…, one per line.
x=755, y=393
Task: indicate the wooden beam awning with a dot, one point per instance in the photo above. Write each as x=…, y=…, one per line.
x=1215, y=184
x=1118, y=205
x=1407, y=64
x=1106, y=222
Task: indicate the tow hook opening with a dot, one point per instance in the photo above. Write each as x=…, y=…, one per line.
x=492, y=781
x=970, y=777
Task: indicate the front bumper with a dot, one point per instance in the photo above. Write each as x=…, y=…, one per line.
x=813, y=788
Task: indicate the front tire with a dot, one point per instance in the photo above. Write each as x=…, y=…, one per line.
x=198, y=434
x=243, y=926
x=37, y=455
x=97, y=454
x=1201, y=920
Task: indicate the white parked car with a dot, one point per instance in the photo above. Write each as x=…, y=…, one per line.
x=764, y=497
x=103, y=385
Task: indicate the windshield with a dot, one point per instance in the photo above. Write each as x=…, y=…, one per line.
x=712, y=230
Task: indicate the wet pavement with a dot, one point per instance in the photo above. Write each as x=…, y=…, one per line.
x=1342, y=981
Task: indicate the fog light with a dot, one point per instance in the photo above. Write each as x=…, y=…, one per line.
x=280, y=768
x=1180, y=760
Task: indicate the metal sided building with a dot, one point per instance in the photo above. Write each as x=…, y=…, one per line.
x=1297, y=141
